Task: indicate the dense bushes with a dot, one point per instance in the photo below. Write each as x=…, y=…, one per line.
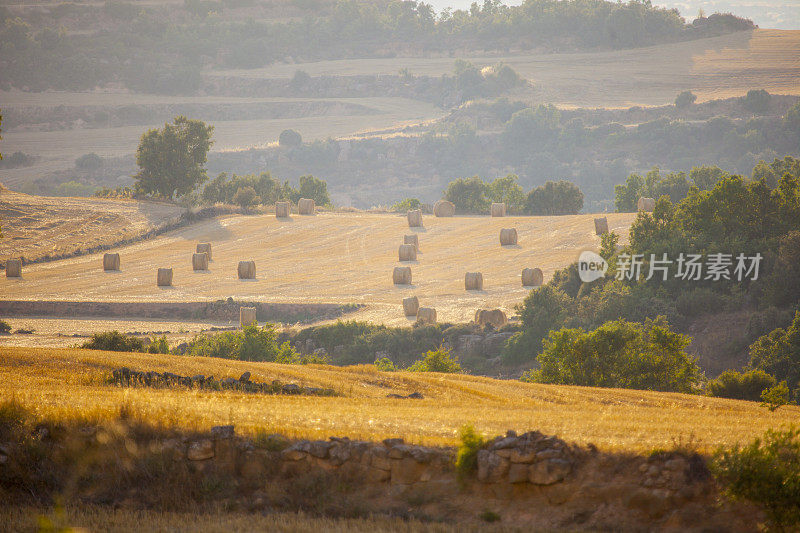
x=438, y=360
x=265, y=190
x=618, y=354
x=766, y=472
x=746, y=385
x=473, y=195
x=778, y=354
x=252, y=343
x=115, y=341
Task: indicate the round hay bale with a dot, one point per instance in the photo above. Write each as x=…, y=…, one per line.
x=110, y=262
x=282, y=209
x=200, y=261
x=646, y=204
x=415, y=218
x=408, y=252
x=412, y=239
x=532, y=277
x=14, y=268
x=496, y=317
x=443, y=208
x=247, y=316
x=410, y=306
x=601, y=225
x=247, y=270
x=473, y=281
x=306, y=206
x=401, y=275
x=426, y=315
x=205, y=248
x=164, y=278
x=508, y=236
x=498, y=209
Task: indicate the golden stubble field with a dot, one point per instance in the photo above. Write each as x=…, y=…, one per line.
x=35, y=226
x=338, y=258
x=70, y=384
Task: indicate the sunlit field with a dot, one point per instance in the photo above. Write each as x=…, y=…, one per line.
x=72, y=384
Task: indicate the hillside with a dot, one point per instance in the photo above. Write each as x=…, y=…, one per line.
x=71, y=384
x=37, y=226
x=333, y=258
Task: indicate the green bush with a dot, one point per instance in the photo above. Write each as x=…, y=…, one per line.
x=766, y=472
x=740, y=385
x=776, y=396
x=406, y=205
x=252, y=343
x=467, y=455
x=436, y=361
x=158, y=345
x=384, y=364
x=685, y=99
x=621, y=354
x=778, y=353
x=114, y=341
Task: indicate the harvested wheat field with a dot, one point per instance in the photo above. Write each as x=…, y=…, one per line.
x=72, y=384
x=333, y=258
x=37, y=226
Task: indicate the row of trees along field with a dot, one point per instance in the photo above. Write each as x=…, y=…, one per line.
x=474, y=196
x=172, y=162
x=163, y=48
x=612, y=330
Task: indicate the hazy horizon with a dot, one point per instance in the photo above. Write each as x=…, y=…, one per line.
x=773, y=14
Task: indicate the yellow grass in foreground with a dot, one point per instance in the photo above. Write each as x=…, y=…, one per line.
x=121, y=520
x=69, y=383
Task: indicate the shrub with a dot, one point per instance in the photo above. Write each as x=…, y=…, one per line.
x=114, y=341
x=778, y=353
x=246, y=197
x=467, y=455
x=252, y=343
x=757, y=101
x=622, y=354
x=289, y=138
x=740, y=385
x=384, y=364
x=685, y=99
x=406, y=205
x=766, y=472
x=436, y=361
x=776, y=396
x=158, y=345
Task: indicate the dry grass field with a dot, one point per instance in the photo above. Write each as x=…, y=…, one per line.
x=718, y=67
x=35, y=226
x=337, y=258
x=97, y=518
x=70, y=384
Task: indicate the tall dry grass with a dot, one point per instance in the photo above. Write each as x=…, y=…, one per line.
x=71, y=384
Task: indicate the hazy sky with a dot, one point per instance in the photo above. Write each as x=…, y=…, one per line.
x=782, y=14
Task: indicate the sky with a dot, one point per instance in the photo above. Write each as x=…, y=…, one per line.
x=777, y=14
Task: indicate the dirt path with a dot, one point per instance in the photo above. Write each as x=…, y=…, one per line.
x=336, y=258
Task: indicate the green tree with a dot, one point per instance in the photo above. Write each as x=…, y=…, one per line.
x=313, y=188
x=246, y=197
x=171, y=160
x=778, y=353
x=705, y=177
x=775, y=397
x=467, y=194
x=792, y=118
x=740, y=385
x=685, y=99
x=290, y=138
x=627, y=195
x=544, y=309
x=757, y=101
x=554, y=198
x=619, y=354
x=507, y=190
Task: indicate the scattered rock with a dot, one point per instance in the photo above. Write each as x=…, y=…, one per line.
x=549, y=471
x=245, y=377
x=200, y=450
x=222, y=432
